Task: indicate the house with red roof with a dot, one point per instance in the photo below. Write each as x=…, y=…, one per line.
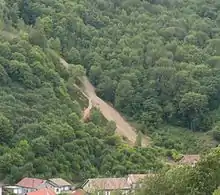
x=26, y=185
x=79, y=192
x=43, y=191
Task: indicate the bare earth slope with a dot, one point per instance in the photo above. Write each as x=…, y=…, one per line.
x=124, y=129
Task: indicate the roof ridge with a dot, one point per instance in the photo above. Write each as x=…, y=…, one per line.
x=106, y=178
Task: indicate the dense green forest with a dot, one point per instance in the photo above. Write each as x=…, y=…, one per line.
x=156, y=61
x=41, y=132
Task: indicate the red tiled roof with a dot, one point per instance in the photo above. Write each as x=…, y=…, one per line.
x=79, y=192
x=44, y=191
x=30, y=182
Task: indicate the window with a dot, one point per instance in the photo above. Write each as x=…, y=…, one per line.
x=107, y=192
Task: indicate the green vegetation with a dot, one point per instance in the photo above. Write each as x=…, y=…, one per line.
x=156, y=61
x=203, y=179
x=138, y=139
x=41, y=131
x=216, y=192
x=183, y=140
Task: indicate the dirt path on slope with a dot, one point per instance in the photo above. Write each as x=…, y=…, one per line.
x=124, y=129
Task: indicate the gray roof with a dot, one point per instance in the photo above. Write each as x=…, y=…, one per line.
x=107, y=184
x=59, y=182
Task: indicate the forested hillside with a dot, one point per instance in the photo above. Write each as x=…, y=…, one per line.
x=156, y=61
x=41, y=131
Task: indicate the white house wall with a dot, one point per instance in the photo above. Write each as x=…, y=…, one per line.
x=58, y=190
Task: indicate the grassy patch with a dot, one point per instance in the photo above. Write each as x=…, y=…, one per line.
x=182, y=140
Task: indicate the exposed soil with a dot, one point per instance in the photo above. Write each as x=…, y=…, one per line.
x=124, y=129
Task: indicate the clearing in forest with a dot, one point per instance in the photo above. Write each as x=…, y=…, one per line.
x=124, y=129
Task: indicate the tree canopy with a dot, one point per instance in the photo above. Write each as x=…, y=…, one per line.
x=136, y=52
x=186, y=180
x=156, y=61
